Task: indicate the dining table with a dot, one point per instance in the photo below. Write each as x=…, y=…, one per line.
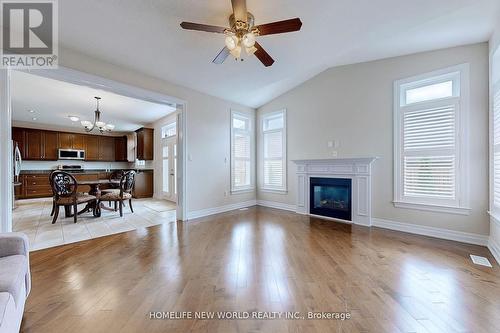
x=95, y=190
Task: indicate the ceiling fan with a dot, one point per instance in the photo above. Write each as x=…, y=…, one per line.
x=242, y=32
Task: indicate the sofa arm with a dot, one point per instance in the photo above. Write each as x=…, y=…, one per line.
x=13, y=243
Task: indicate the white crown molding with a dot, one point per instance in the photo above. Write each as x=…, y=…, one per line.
x=458, y=236
x=221, y=209
x=277, y=205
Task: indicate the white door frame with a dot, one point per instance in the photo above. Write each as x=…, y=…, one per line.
x=5, y=153
x=96, y=82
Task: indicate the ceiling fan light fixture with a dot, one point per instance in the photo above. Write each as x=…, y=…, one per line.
x=236, y=52
x=248, y=40
x=250, y=50
x=231, y=42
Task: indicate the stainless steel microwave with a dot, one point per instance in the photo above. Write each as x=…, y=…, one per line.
x=71, y=154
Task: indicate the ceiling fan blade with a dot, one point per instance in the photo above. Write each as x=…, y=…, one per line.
x=203, y=27
x=240, y=10
x=219, y=59
x=279, y=27
x=263, y=56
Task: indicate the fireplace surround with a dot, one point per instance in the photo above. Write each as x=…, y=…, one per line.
x=343, y=172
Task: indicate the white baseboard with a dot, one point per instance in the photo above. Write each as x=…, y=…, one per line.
x=216, y=210
x=458, y=236
x=278, y=205
x=494, y=248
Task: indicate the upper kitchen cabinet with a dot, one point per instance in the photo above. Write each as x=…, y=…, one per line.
x=71, y=141
x=100, y=148
x=106, y=148
x=92, y=148
x=40, y=145
x=18, y=137
x=50, y=145
x=121, y=149
x=145, y=143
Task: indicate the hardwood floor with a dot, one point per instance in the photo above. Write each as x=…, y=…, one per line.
x=263, y=259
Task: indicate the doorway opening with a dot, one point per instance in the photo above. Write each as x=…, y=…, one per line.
x=172, y=139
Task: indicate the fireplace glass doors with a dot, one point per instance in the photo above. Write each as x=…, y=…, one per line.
x=331, y=197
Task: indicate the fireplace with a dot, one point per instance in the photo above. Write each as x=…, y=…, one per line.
x=331, y=197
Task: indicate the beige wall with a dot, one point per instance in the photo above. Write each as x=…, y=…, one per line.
x=208, y=140
x=354, y=104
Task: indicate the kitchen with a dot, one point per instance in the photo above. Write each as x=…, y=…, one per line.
x=92, y=135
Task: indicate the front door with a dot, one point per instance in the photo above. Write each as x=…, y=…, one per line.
x=169, y=167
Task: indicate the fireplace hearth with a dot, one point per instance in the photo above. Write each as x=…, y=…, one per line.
x=331, y=197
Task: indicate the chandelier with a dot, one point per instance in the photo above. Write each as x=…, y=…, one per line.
x=100, y=125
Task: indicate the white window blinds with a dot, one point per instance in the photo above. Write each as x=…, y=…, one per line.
x=274, y=151
x=496, y=147
x=241, y=151
x=429, y=152
x=430, y=158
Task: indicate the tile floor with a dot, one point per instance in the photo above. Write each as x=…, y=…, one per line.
x=32, y=217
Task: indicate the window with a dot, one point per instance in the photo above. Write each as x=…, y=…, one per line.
x=495, y=77
x=169, y=130
x=165, y=168
x=169, y=161
x=273, y=134
x=430, y=119
x=242, y=151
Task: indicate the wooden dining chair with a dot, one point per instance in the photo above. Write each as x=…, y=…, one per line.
x=124, y=193
x=53, y=195
x=114, y=184
x=64, y=187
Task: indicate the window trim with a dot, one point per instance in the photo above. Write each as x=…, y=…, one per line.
x=284, y=130
x=461, y=204
x=494, y=209
x=251, y=131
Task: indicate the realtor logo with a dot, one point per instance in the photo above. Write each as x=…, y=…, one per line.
x=29, y=34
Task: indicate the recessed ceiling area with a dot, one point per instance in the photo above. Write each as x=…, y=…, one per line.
x=145, y=36
x=45, y=101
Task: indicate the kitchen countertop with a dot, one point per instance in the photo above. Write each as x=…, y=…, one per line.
x=87, y=171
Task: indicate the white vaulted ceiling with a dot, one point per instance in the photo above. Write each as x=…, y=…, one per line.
x=145, y=36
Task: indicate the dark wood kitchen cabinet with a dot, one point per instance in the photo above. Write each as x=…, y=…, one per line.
x=36, y=186
x=121, y=149
x=92, y=148
x=40, y=145
x=18, y=136
x=106, y=148
x=71, y=141
x=33, y=145
x=50, y=145
x=145, y=144
x=143, y=187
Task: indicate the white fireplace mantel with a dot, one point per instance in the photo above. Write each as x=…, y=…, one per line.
x=356, y=169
